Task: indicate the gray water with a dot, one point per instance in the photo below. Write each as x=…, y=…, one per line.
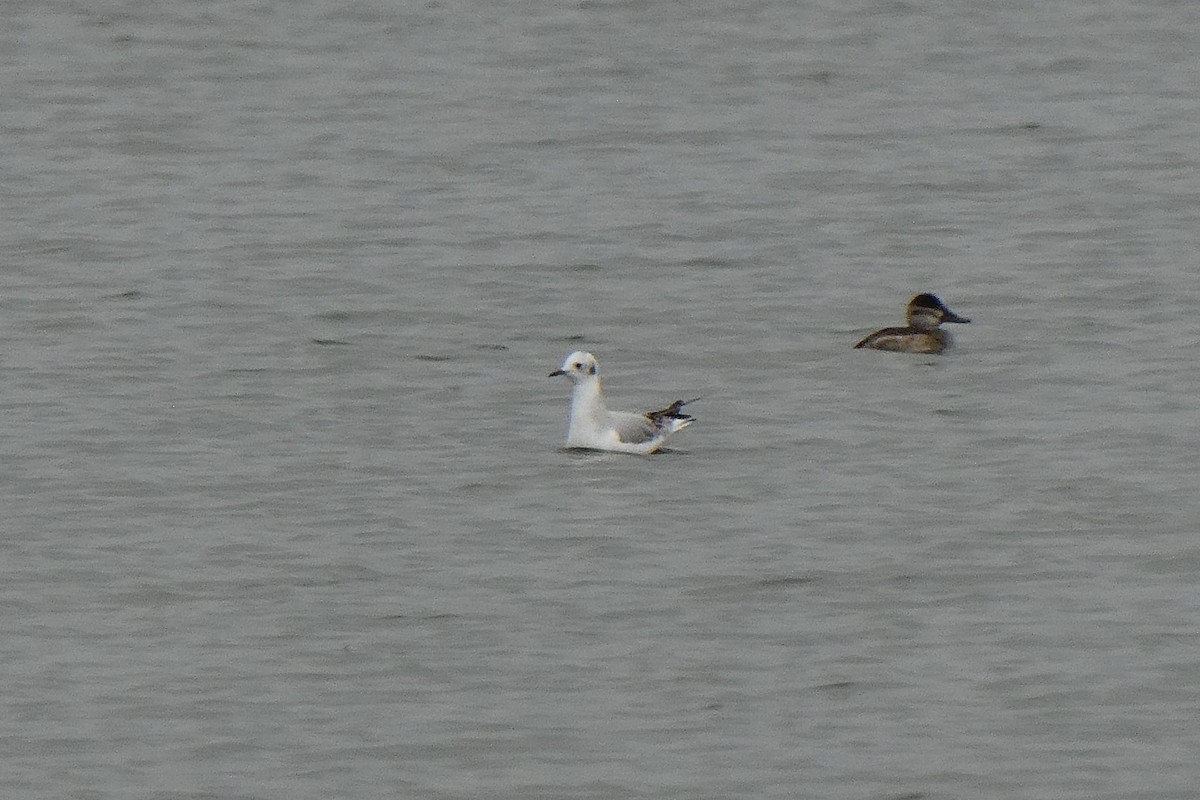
x=286, y=509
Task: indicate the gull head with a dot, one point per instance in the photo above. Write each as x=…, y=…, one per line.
x=579, y=366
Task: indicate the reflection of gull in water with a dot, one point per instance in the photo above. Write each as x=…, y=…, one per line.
x=593, y=426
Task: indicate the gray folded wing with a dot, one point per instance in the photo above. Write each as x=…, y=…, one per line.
x=634, y=428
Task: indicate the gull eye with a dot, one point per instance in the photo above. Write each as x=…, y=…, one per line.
x=577, y=365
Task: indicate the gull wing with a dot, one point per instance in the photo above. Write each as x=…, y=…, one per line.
x=634, y=428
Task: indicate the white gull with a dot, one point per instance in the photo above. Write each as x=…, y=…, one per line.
x=591, y=425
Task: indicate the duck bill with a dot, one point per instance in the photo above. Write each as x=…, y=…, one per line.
x=556, y=373
x=952, y=317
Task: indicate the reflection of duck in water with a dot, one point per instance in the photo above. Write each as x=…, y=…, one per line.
x=922, y=334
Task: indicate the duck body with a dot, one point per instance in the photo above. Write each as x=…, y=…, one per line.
x=908, y=340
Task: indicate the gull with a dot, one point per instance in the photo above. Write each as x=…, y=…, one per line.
x=591, y=425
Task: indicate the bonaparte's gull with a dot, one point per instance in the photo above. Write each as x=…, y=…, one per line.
x=592, y=425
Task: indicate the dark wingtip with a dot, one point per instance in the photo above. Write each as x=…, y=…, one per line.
x=673, y=411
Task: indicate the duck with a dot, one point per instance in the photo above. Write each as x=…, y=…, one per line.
x=925, y=313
